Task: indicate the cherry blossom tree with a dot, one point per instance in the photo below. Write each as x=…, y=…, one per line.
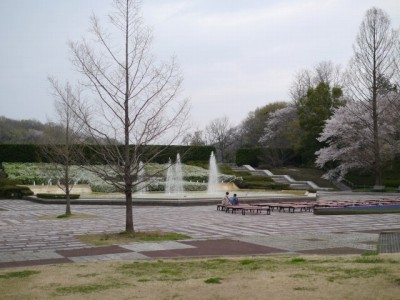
x=350, y=136
x=282, y=128
x=252, y=128
x=313, y=110
x=281, y=136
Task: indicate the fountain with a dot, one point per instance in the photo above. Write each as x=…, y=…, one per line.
x=141, y=184
x=212, y=186
x=174, y=182
x=168, y=182
x=178, y=175
x=199, y=187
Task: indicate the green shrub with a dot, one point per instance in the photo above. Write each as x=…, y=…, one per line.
x=198, y=163
x=193, y=187
x=56, y=196
x=188, y=187
x=8, y=182
x=13, y=191
x=225, y=169
x=257, y=178
x=248, y=156
x=156, y=187
x=242, y=174
x=261, y=185
x=391, y=183
x=103, y=188
x=196, y=178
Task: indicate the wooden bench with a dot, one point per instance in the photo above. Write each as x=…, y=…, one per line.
x=247, y=208
x=292, y=207
x=234, y=208
x=256, y=209
x=227, y=208
x=221, y=207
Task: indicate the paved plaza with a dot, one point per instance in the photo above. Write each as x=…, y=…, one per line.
x=28, y=238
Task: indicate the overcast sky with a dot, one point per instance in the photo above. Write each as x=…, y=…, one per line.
x=235, y=55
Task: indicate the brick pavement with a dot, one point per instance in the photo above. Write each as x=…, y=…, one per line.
x=26, y=236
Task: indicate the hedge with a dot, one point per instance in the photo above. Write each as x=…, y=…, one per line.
x=257, y=178
x=33, y=153
x=57, y=196
x=391, y=182
x=261, y=185
x=188, y=187
x=11, y=191
x=20, y=153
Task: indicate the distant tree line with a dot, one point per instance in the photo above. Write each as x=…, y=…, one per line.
x=22, y=131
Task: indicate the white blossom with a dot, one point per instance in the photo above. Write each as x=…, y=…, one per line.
x=349, y=135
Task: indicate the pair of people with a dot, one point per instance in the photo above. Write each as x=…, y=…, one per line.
x=230, y=200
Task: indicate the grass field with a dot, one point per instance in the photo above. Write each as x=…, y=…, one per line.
x=308, y=277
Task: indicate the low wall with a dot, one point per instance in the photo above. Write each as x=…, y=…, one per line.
x=54, y=189
x=230, y=186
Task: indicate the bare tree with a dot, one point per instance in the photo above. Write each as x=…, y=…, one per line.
x=302, y=82
x=194, y=139
x=61, y=150
x=372, y=67
x=324, y=72
x=131, y=101
x=221, y=134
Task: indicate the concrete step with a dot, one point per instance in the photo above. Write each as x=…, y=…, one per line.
x=299, y=186
x=259, y=173
x=283, y=179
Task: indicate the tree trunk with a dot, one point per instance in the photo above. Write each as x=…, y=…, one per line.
x=377, y=158
x=128, y=161
x=67, y=191
x=68, y=201
x=129, y=215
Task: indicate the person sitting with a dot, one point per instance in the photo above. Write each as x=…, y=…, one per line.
x=234, y=200
x=226, y=201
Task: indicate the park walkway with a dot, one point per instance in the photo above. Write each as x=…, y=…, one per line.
x=28, y=238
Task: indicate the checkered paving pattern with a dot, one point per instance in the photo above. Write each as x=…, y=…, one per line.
x=25, y=233
x=389, y=242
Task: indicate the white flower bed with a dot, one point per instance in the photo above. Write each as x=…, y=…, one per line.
x=36, y=173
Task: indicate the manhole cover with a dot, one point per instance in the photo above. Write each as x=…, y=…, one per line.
x=389, y=242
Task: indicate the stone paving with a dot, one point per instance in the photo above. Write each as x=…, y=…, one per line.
x=28, y=237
